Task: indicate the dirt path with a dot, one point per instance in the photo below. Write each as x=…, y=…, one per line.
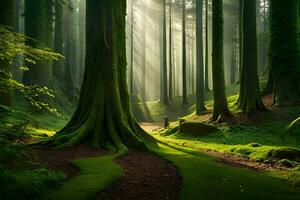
x=146, y=177
x=151, y=126
x=59, y=159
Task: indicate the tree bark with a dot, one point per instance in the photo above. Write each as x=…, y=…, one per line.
x=206, y=47
x=221, y=110
x=164, y=73
x=249, y=98
x=184, y=81
x=200, y=87
x=39, y=27
x=6, y=19
x=103, y=116
x=170, y=53
x=284, y=51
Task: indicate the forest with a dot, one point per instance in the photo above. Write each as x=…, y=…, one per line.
x=149, y=99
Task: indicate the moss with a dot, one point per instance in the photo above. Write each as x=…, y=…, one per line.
x=94, y=175
x=196, y=129
x=285, y=153
x=201, y=175
x=285, y=163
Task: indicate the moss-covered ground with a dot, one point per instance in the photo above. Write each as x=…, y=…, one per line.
x=202, y=176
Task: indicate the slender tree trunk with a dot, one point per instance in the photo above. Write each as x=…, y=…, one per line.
x=206, y=47
x=284, y=51
x=164, y=71
x=59, y=40
x=200, y=87
x=6, y=19
x=143, y=46
x=221, y=110
x=233, y=56
x=240, y=36
x=170, y=53
x=249, y=99
x=184, y=81
x=103, y=115
x=39, y=27
x=131, y=46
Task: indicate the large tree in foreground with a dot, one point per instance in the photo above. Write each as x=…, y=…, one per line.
x=284, y=51
x=103, y=116
x=221, y=110
x=249, y=99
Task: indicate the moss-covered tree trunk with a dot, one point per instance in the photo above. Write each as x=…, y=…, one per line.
x=284, y=52
x=103, y=116
x=200, y=87
x=184, y=81
x=221, y=110
x=249, y=98
x=6, y=19
x=39, y=27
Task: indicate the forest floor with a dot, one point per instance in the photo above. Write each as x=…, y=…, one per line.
x=236, y=162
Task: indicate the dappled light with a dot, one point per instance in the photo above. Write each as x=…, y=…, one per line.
x=149, y=99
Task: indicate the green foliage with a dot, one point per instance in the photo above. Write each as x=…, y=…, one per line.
x=27, y=184
x=12, y=46
x=18, y=179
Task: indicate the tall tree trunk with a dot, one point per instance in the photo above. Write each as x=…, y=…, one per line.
x=103, y=115
x=284, y=51
x=249, y=98
x=170, y=53
x=233, y=56
x=240, y=36
x=184, y=81
x=164, y=73
x=143, y=46
x=131, y=47
x=206, y=47
x=59, y=39
x=39, y=27
x=6, y=19
x=221, y=110
x=200, y=87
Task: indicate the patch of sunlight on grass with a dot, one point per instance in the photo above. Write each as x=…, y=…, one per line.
x=202, y=177
x=39, y=131
x=94, y=175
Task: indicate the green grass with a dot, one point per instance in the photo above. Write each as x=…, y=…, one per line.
x=203, y=178
x=94, y=175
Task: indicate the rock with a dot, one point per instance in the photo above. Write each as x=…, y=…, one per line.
x=197, y=129
x=285, y=153
x=286, y=163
